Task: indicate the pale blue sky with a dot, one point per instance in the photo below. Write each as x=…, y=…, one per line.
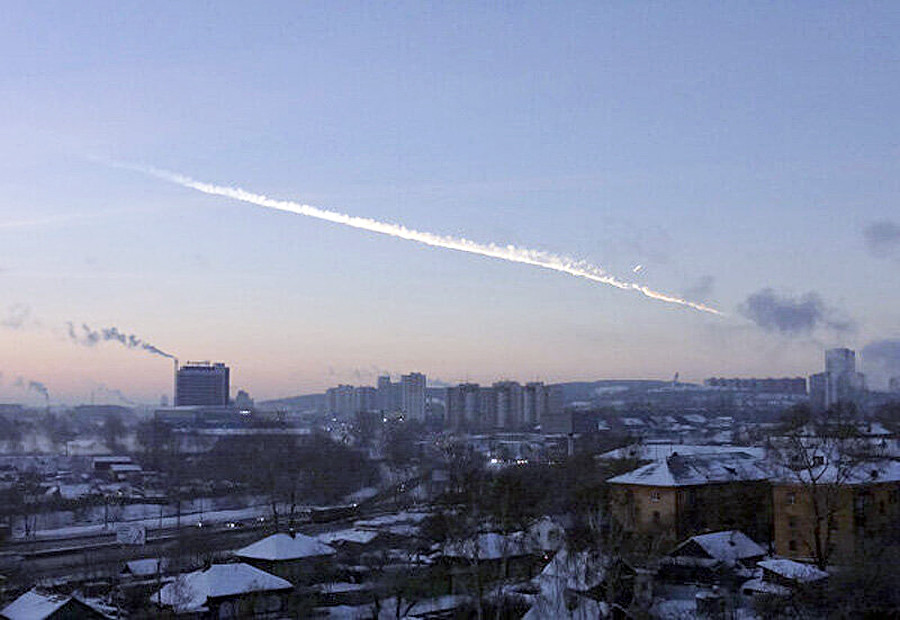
x=750, y=143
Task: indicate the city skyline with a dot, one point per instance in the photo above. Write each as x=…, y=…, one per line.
x=693, y=150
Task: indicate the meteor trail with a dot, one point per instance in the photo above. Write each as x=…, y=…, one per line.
x=537, y=258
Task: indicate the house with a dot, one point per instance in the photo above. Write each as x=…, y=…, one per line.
x=226, y=591
x=588, y=574
x=39, y=605
x=781, y=576
x=711, y=558
x=292, y=556
x=683, y=495
x=861, y=507
x=144, y=569
x=486, y=557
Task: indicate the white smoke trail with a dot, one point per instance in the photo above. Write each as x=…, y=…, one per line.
x=538, y=258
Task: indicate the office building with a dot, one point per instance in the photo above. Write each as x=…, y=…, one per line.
x=202, y=383
x=412, y=399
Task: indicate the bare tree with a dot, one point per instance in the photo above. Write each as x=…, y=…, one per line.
x=822, y=456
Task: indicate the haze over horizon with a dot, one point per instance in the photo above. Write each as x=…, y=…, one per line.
x=742, y=157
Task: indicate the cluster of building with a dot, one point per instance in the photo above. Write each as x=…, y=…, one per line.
x=505, y=405
x=407, y=397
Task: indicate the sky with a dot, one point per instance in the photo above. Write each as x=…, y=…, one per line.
x=743, y=155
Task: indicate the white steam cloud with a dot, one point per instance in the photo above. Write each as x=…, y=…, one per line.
x=537, y=258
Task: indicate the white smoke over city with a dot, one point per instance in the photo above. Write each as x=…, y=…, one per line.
x=89, y=337
x=537, y=258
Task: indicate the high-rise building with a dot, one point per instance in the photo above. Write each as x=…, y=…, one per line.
x=202, y=383
x=412, y=390
x=462, y=411
x=840, y=383
x=341, y=401
x=535, y=401
x=366, y=399
x=508, y=398
x=384, y=393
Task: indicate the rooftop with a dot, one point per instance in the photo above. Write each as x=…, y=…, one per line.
x=728, y=546
x=795, y=571
x=284, y=547
x=695, y=469
x=190, y=592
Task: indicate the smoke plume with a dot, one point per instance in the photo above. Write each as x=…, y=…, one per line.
x=16, y=316
x=116, y=393
x=89, y=337
x=790, y=315
x=884, y=354
x=883, y=238
x=33, y=386
x=537, y=258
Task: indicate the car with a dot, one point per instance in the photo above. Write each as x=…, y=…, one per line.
x=234, y=524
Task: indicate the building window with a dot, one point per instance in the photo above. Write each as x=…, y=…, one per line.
x=791, y=498
x=792, y=522
x=792, y=545
x=656, y=517
x=655, y=496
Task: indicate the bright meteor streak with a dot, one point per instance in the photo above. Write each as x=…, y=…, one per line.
x=537, y=258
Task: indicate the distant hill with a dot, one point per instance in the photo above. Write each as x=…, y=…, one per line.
x=304, y=401
x=586, y=390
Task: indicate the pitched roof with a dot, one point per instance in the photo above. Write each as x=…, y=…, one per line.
x=795, y=571
x=190, y=592
x=695, y=469
x=728, y=546
x=145, y=567
x=36, y=605
x=283, y=547
x=361, y=537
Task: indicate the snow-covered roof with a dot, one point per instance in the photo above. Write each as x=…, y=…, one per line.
x=865, y=472
x=795, y=571
x=362, y=537
x=75, y=491
x=34, y=605
x=580, y=571
x=764, y=587
x=112, y=459
x=125, y=467
x=283, y=547
x=145, y=567
x=728, y=546
x=655, y=451
x=695, y=469
x=190, y=592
